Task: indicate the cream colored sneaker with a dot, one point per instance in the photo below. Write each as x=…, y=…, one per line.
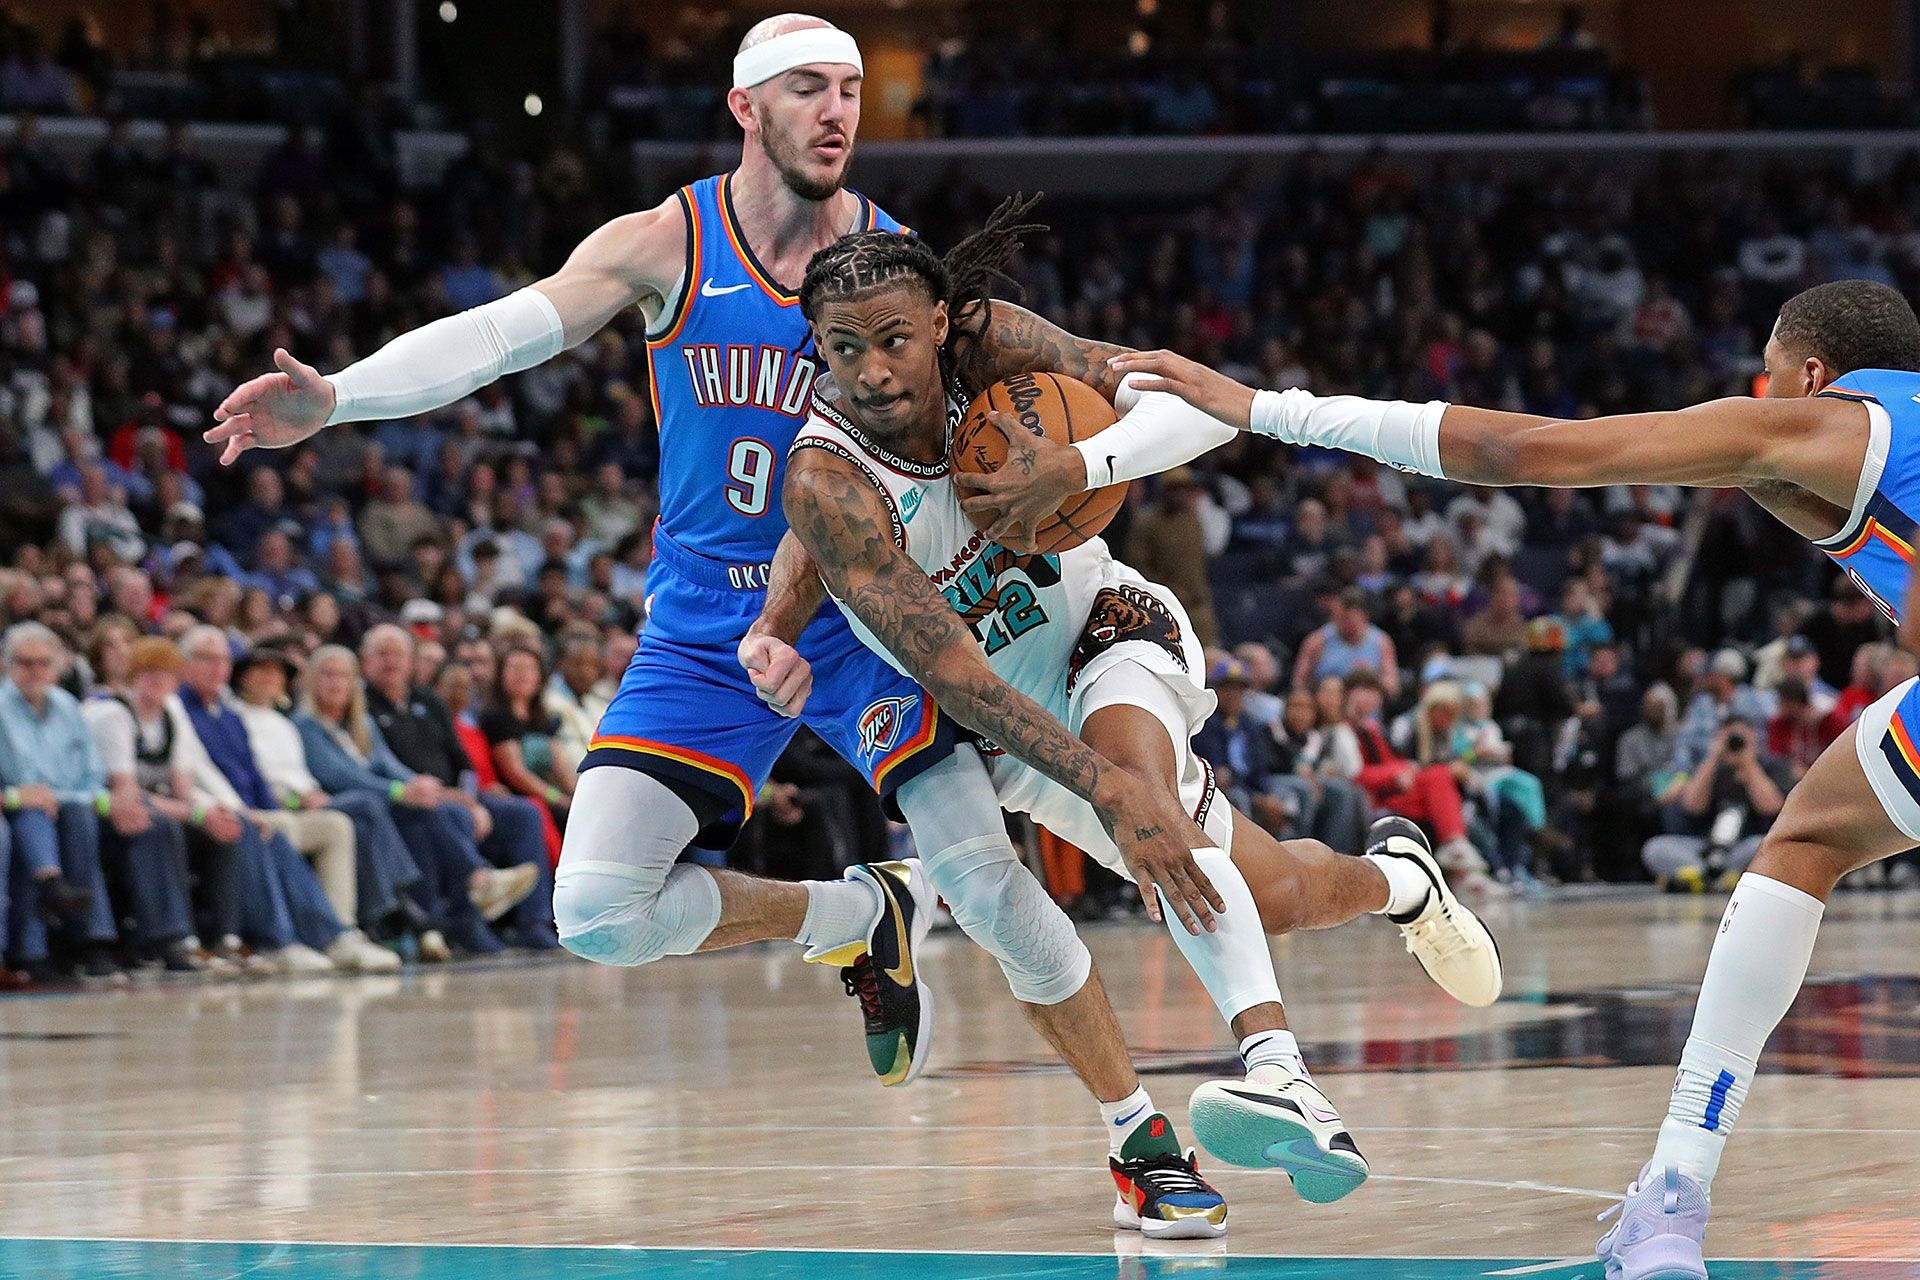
x=502, y=889
x=356, y=953
x=1448, y=940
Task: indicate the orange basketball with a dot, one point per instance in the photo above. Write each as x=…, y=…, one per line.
x=1062, y=409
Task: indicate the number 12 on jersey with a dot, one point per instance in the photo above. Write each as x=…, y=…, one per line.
x=749, y=476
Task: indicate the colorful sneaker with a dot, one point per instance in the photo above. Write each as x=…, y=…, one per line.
x=1663, y=1222
x=1448, y=940
x=1279, y=1120
x=1162, y=1195
x=895, y=1004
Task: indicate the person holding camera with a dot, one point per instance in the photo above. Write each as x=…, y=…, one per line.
x=1716, y=815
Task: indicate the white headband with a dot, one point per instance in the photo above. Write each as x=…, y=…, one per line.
x=794, y=49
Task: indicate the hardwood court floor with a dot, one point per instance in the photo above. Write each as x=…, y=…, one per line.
x=715, y=1109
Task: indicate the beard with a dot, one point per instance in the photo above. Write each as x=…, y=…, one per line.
x=789, y=160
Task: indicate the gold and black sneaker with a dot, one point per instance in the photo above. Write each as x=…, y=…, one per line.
x=895, y=1003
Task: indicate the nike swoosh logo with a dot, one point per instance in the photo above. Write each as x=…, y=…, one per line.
x=904, y=974
x=1128, y=1118
x=708, y=291
x=1324, y=1117
x=1110, y=460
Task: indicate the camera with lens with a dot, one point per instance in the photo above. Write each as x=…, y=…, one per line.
x=1738, y=741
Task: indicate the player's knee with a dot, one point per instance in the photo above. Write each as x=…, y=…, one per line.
x=616, y=914
x=1814, y=865
x=1000, y=905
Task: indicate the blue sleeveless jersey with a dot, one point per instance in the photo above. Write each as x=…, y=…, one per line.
x=1876, y=547
x=730, y=370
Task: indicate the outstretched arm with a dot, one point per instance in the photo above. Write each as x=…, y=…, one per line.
x=633, y=258
x=839, y=518
x=1815, y=444
x=1155, y=433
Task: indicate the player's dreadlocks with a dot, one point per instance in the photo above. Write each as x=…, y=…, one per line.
x=869, y=260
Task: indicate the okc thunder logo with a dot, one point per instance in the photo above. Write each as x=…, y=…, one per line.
x=882, y=724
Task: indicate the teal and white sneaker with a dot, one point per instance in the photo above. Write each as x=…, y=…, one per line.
x=1663, y=1224
x=1274, y=1119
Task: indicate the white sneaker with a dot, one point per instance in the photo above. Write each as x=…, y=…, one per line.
x=434, y=948
x=501, y=889
x=1448, y=940
x=1276, y=1119
x=356, y=953
x=298, y=958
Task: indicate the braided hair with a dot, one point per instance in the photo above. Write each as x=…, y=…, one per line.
x=865, y=261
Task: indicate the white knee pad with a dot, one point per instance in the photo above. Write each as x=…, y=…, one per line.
x=609, y=912
x=1003, y=908
x=618, y=896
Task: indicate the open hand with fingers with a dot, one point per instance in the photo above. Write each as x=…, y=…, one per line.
x=781, y=677
x=1157, y=838
x=1210, y=392
x=1038, y=476
x=272, y=411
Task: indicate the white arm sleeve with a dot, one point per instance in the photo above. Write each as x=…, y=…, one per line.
x=1156, y=432
x=1396, y=432
x=440, y=362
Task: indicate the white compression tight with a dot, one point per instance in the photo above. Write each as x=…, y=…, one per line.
x=619, y=897
x=962, y=838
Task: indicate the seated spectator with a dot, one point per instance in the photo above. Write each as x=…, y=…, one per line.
x=1799, y=660
x=1585, y=623
x=1263, y=705
x=458, y=892
x=1428, y=794
x=1534, y=702
x=1349, y=644
x=1500, y=629
x=1872, y=675
x=1718, y=814
x=420, y=731
x=383, y=868
x=572, y=694
x=1241, y=752
x=522, y=733
x=56, y=796
x=1797, y=733
x=221, y=761
x=135, y=736
x=1317, y=764
x=1724, y=695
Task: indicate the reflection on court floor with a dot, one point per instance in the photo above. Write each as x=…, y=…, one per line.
x=126, y=1260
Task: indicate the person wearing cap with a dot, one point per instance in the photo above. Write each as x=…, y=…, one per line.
x=1241, y=749
x=1723, y=695
x=383, y=868
x=56, y=799
x=1799, y=660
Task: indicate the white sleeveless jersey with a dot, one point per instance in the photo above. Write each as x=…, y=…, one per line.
x=1027, y=611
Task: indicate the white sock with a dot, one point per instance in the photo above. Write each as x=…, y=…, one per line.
x=839, y=912
x=1758, y=963
x=1407, y=886
x=1270, y=1052
x=1120, y=1118
x=1232, y=962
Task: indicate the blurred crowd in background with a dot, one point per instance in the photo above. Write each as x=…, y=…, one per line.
x=428, y=615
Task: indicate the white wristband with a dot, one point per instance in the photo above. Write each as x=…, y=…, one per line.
x=1397, y=432
x=440, y=362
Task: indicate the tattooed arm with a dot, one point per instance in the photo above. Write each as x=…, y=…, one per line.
x=1156, y=432
x=839, y=518
x=781, y=677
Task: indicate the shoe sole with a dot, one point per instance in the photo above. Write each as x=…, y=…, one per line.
x=1196, y=1228
x=1237, y=1132
x=1424, y=858
x=916, y=934
x=492, y=912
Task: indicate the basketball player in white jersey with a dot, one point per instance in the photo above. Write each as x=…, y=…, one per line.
x=1048, y=644
x=712, y=269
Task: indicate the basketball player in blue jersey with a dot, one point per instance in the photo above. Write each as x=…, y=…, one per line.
x=1833, y=451
x=687, y=741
